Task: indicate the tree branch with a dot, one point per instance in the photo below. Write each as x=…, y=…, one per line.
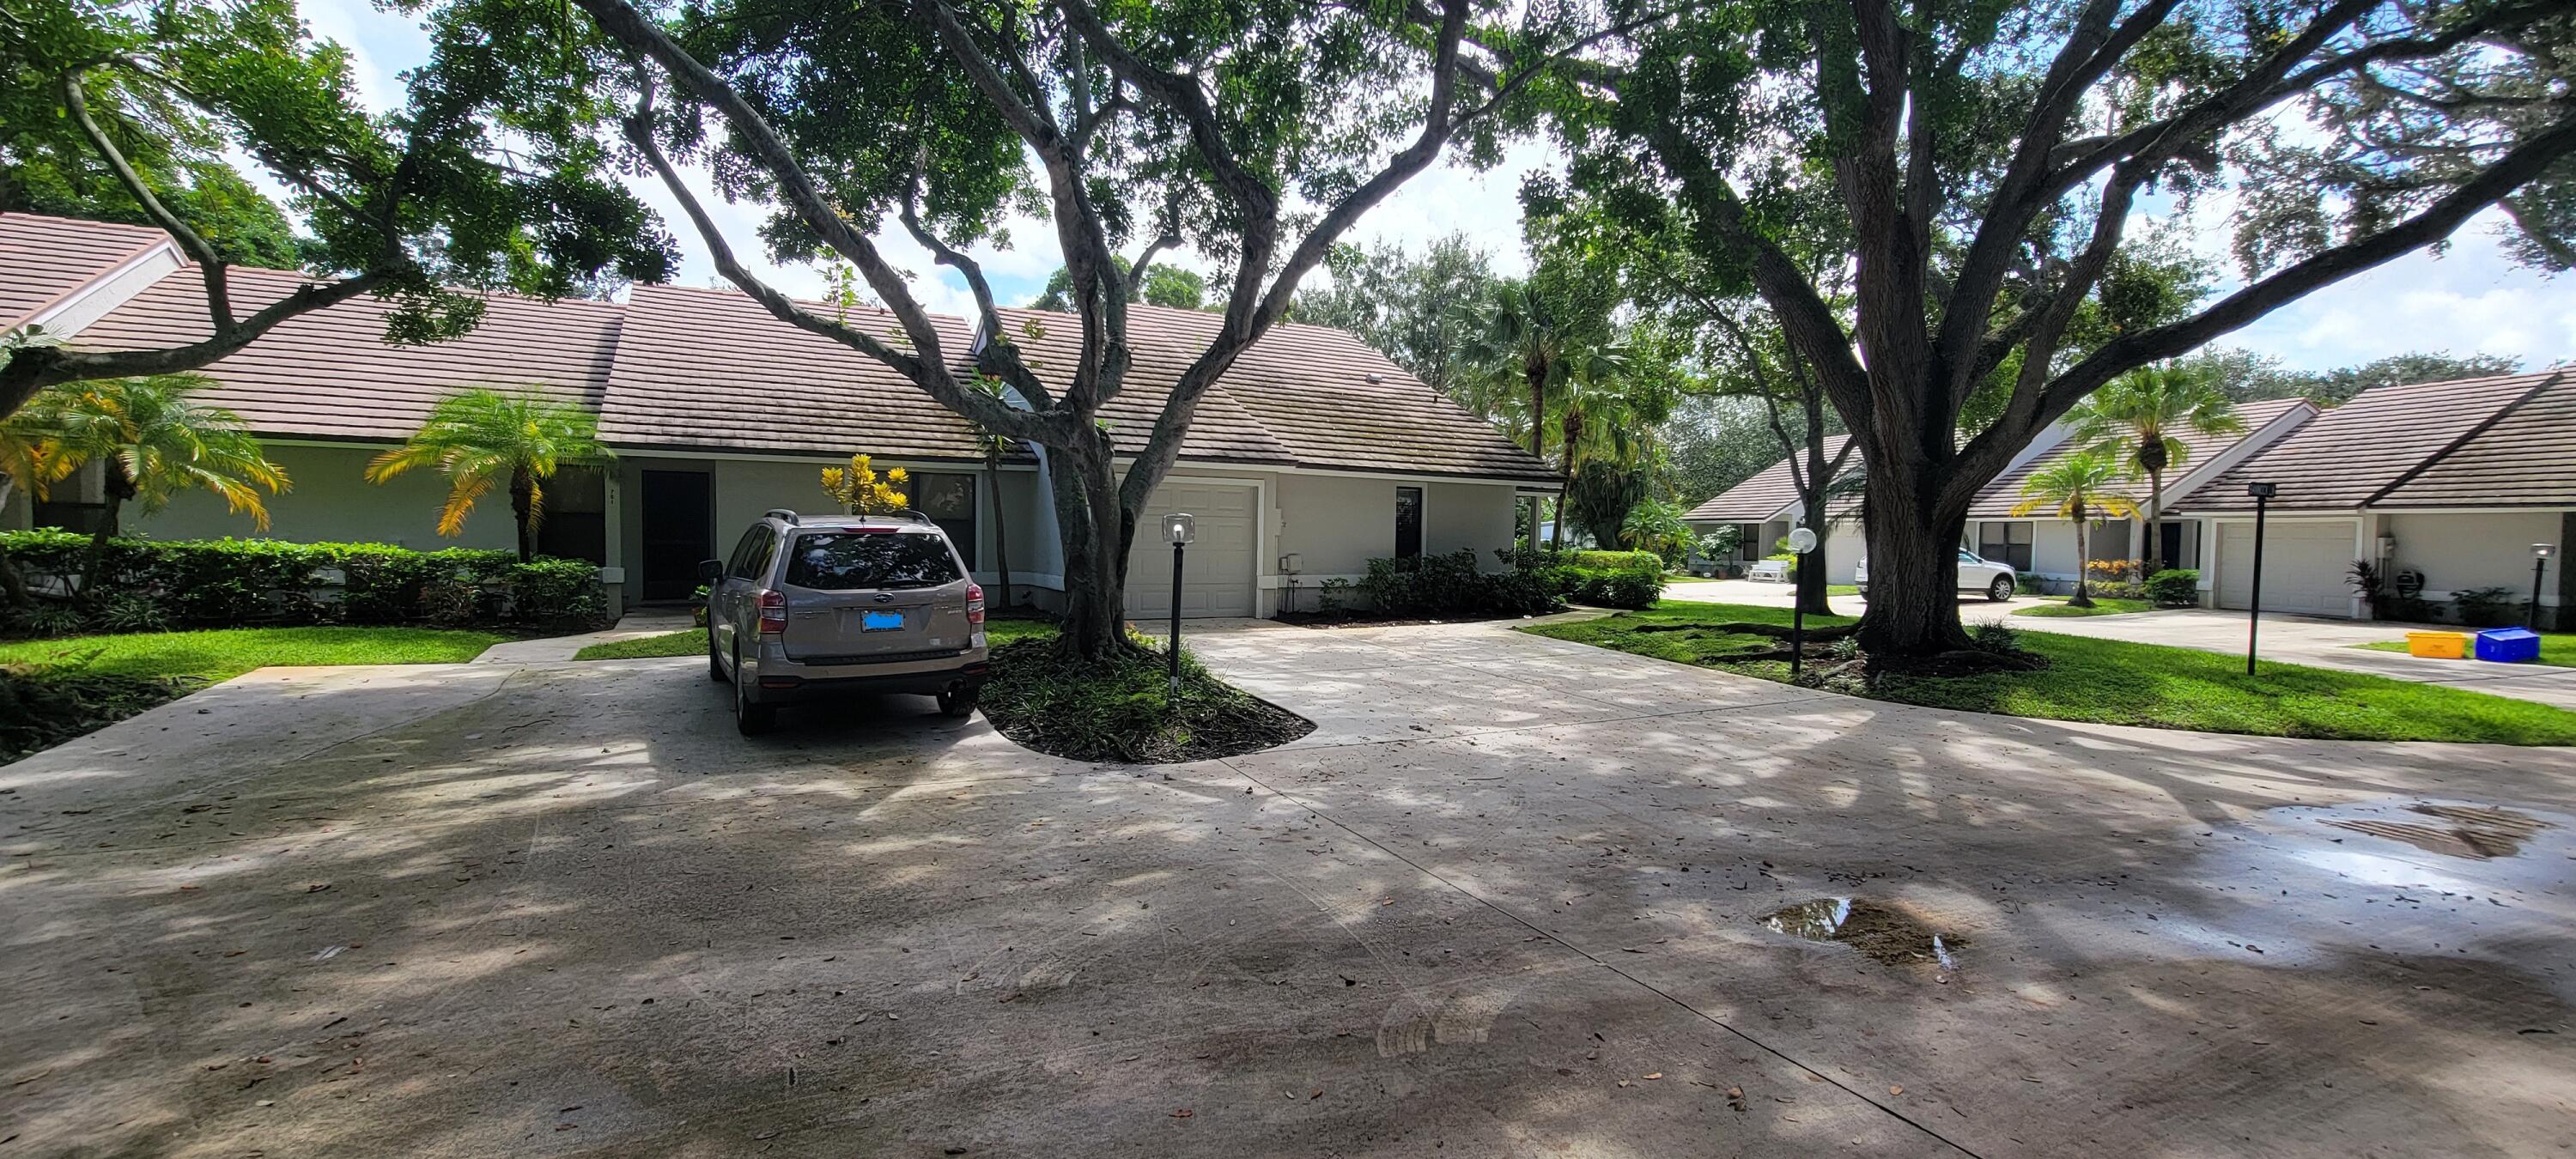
x=210, y=265
x=31, y=370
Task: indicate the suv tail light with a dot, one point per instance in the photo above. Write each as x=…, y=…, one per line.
x=974, y=603
x=773, y=612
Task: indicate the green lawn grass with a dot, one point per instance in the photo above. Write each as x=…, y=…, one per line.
x=223, y=653
x=2557, y=648
x=2114, y=682
x=693, y=641
x=2102, y=606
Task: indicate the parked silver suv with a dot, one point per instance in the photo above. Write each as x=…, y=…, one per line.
x=814, y=605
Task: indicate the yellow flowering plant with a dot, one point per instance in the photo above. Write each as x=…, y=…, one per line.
x=859, y=489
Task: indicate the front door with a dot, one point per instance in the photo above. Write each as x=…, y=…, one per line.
x=679, y=531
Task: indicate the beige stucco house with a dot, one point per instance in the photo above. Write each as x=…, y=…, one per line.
x=1311, y=456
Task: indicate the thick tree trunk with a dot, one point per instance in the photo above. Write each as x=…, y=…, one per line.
x=523, y=490
x=1913, y=563
x=1535, y=372
x=1095, y=533
x=1001, y=532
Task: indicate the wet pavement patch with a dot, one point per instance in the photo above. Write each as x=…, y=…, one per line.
x=1881, y=933
x=2473, y=831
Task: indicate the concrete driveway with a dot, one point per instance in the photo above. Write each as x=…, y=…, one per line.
x=2322, y=643
x=1508, y=899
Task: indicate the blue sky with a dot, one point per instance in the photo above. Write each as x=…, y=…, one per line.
x=2470, y=299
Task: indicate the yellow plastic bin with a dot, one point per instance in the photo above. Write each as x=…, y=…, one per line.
x=2438, y=645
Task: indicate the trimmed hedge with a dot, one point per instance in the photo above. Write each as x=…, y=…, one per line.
x=1450, y=585
x=1603, y=579
x=146, y=584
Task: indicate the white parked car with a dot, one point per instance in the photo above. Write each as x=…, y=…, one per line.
x=1976, y=574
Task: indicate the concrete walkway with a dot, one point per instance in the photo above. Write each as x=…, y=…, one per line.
x=632, y=626
x=2322, y=643
x=1774, y=595
x=1509, y=898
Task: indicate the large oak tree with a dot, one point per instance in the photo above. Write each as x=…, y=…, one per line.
x=1991, y=162
x=1256, y=133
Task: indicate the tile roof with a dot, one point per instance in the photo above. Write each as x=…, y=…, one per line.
x=680, y=368
x=712, y=369
x=44, y=258
x=1301, y=396
x=1762, y=496
x=2001, y=496
x=2343, y=457
x=330, y=373
x=2526, y=458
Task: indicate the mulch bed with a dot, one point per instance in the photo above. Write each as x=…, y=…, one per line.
x=1120, y=709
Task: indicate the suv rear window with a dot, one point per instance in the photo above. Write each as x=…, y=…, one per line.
x=845, y=561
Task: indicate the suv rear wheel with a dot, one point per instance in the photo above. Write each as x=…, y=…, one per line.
x=749, y=718
x=961, y=701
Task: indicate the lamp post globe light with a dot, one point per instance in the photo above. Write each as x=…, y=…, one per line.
x=1801, y=541
x=2540, y=553
x=1179, y=528
x=2262, y=493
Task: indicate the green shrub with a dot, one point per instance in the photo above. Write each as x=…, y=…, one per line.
x=1609, y=579
x=2174, y=587
x=1450, y=585
x=2487, y=607
x=236, y=582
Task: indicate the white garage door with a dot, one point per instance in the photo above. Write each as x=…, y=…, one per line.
x=2303, y=567
x=1220, y=565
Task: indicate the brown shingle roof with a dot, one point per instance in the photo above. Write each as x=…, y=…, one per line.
x=331, y=374
x=713, y=369
x=2526, y=458
x=684, y=369
x=44, y=258
x=2343, y=457
x=1302, y=396
x=2001, y=496
x=1763, y=495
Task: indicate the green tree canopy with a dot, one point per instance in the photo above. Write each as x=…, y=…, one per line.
x=1989, y=164
x=1415, y=310
x=1164, y=285
x=111, y=104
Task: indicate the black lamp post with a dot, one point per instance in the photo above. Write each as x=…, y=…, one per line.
x=1801, y=542
x=2262, y=493
x=2539, y=564
x=1180, y=529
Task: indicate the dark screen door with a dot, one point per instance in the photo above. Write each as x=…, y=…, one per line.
x=679, y=530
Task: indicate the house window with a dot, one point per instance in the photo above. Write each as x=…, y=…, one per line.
x=949, y=501
x=2006, y=543
x=1408, y=522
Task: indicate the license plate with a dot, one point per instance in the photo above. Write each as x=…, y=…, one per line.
x=881, y=622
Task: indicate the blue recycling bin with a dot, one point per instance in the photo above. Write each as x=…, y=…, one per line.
x=2508, y=645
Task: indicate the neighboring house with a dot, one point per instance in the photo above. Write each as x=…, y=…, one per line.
x=1311, y=456
x=1763, y=508
x=2043, y=545
x=2454, y=481
x=1766, y=506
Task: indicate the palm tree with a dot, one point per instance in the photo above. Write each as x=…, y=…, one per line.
x=153, y=442
x=24, y=467
x=1525, y=346
x=2138, y=419
x=485, y=438
x=2079, y=488
x=995, y=446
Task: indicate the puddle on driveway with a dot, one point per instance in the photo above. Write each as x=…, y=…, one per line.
x=2474, y=831
x=1881, y=933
